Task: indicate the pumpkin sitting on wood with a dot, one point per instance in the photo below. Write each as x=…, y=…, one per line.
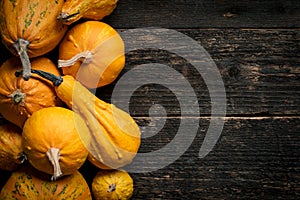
x=93, y=53
x=54, y=141
x=112, y=185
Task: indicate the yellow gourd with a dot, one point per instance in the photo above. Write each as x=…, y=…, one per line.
x=73, y=10
x=115, y=136
x=112, y=185
x=11, y=150
x=54, y=141
x=93, y=53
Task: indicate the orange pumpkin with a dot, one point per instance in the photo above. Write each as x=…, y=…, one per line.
x=73, y=10
x=11, y=150
x=29, y=28
x=20, y=98
x=54, y=141
x=93, y=53
x=28, y=183
x=112, y=185
x=115, y=135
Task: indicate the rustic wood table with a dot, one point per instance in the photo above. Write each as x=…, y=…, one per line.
x=255, y=46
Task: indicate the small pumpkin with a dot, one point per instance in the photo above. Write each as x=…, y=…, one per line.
x=20, y=98
x=28, y=183
x=29, y=28
x=112, y=185
x=54, y=141
x=93, y=53
x=11, y=150
x=115, y=136
x=73, y=10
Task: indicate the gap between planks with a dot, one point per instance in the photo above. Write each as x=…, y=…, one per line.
x=225, y=118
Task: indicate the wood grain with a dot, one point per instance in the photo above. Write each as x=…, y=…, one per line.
x=206, y=14
x=259, y=68
x=256, y=48
x=254, y=158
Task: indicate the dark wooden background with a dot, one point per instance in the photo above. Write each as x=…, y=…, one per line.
x=256, y=47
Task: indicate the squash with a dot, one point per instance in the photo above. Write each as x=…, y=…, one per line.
x=29, y=28
x=11, y=150
x=54, y=141
x=112, y=185
x=73, y=10
x=28, y=183
x=19, y=98
x=115, y=136
x=93, y=53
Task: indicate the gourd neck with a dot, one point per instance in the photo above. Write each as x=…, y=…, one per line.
x=56, y=80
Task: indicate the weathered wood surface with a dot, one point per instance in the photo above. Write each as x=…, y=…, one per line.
x=206, y=14
x=256, y=47
x=260, y=70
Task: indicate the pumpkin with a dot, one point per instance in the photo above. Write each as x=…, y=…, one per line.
x=28, y=183
x=54, y=141
x=11, y=150
x=115, y=136
x=73, y=10
x=29, y=28
x=20, y=98
x=112, y=185
x=93, y=53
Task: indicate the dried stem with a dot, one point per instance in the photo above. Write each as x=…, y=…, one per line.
x=53, y=156
x=21, y=47
x=86, y=56
x=112, y=187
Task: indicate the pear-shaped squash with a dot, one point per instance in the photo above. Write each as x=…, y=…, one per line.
x=73, y=10
x=28, y=183
x=11, y=149
x=54, y=141
x=115, y=136
x=20, y=98
x=29, y=28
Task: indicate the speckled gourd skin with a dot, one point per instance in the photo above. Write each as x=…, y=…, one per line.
x=32, y=20
x=28, y=183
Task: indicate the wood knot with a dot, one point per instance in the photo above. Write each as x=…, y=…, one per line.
x=234, y=71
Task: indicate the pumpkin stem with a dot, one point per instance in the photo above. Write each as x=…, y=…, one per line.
x=56, y=80
x=53, y=156
x=21, y=47
x=18, y=96
x=22, y=157
x=86, y=55
x=65, y=17
x=112, y=187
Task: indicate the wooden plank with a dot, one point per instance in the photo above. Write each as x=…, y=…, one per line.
x=206, y=14
x=259, y=68
x=254, y=158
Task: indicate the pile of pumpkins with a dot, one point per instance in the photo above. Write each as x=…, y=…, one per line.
x=53, y=122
